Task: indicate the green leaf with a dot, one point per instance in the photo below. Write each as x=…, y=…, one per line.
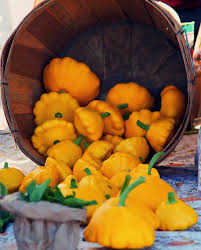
x=58, y=195
x=24, y=197
x=3, y=214
x=1, y=226
x=3, y=190
x=5, y=218
x=78, y=203
x=49, y=195
x=38, y=192
x=30, y=188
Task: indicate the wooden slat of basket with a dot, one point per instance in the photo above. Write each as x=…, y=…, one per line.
x=133, y=13
x=161, y=23
x=33, y=68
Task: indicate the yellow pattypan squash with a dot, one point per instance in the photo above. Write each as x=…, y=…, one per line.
x=50, y=132
x=120, y=226
x=97, y=152
x=152, y=192
x=112, y=118
x=175, y=214
x=11, y=177
x=99, y=182
x=85, y=192
x=80, y=165
x=159, y=133
x=138, y=207
x=146, y=170
x=63, y=169
x=119, y=178
x=132, y=94
x=117, y=162
x=173, y=103
x=66, y=151
x=68, y=185
x=55, y=105
x=136, y=146
x=115, y=140
x=88, y=123
x=145, y=116
x=40, y=175
x=74, y=77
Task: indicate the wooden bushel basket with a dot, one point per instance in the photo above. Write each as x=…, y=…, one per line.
x=121, y=40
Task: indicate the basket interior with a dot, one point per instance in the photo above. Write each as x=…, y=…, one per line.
x=122, y=49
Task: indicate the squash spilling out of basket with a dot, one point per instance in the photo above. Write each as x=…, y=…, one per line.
x=96, y=150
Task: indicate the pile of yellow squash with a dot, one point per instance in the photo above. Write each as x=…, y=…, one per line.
x=124, y=118
x=97, y=150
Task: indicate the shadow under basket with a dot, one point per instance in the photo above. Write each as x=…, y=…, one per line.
x=121, y=40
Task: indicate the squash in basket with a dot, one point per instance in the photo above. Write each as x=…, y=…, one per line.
x=135, y=96
x=74, y=77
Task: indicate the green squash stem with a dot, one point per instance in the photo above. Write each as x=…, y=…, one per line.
x=141, y=159
x=142, y=125
x=107, y=196
x=56, y=141
x=87, y=171
x=123, y=106
x=106, y=114
x=62, y=91
x=58, y=115
x=73, y=184
x=154, y=160
x=171, y=198
x=79, y=140
x=126, y=183
x=6, y=165
x=126, y=116
x=125, y=193
x=86, y=144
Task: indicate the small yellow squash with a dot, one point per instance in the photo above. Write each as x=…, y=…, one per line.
x=88, y=123
x=55, y=105
x=136, y=96
x=74, y=77
x=120, y=226
x=152, y=192
x=145, y=116
x=50, y=132
x=175, y=214
x=40, y=175
x=173, y=103
x=63, y=169
x=85, y=192
x=66, y=151
x=97, y=152
x=113, y=123
x=119, y=161
x=79, y=167
x=136, y=146
x=159, y=133
x=99, y=182
x=146, y=170
x=11, y=177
